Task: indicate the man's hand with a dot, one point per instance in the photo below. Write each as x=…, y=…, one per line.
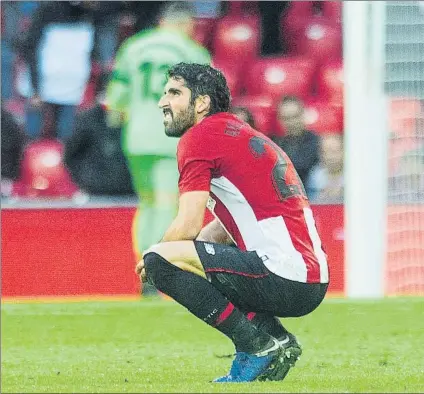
x=141, y=271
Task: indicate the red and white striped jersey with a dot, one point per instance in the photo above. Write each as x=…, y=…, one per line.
x=255, y=193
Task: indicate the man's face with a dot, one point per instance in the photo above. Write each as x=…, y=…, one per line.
x=178, y=112
x=291, y=116
x=332, y=152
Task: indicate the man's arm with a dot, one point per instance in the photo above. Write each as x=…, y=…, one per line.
x=189, y=221
x=29, y=44
x=216, y=233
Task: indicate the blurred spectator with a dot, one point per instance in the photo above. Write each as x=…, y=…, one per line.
x=244, y=114
x=273, y=42
x=12, y=145
x=57, y=49
x=13, y=17
x=301, y=145
x=326, y=181
x=93, y=153
x=107, y=15
x=146, y=13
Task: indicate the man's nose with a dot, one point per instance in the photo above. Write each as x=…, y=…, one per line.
x=162, y=102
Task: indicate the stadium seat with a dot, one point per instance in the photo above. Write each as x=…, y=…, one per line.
x=262, y=109
x=318, y=39
x=231, y=70
x=302, y=12
x=330, y=83
x=296, y=17
x=237, y=37
x=204, y=31
x=279, y=76
x=332, y=10
x=323, y=117
x=43, y=173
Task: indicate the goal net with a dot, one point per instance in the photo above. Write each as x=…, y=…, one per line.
x=404, y=87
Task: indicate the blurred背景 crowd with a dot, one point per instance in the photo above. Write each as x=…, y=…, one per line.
x=282, y=60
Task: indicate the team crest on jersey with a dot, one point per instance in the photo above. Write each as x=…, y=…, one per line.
x=210, y=249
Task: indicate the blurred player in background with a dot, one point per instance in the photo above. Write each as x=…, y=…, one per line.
x=136, y=86
x=261, y=257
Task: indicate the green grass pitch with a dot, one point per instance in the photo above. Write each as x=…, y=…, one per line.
x=157, y=346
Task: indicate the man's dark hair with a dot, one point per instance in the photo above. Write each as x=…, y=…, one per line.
x=204, y=80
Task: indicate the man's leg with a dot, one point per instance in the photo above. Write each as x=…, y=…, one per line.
x=65, y=121
x=261, y=295
x=255, y=347
x=34, y=118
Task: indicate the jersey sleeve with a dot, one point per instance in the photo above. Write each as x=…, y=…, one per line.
x=197, y=161
x=117, y=95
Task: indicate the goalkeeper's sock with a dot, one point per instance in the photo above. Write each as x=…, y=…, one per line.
x=203, y=300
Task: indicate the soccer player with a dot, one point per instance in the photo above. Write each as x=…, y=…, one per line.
x=261, y=257
x=135, y=88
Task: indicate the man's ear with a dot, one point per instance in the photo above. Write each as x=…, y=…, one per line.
x=203, y=104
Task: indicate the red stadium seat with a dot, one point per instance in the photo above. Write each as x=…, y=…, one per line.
x=43, y=173
x=237, y=37
x=331, y=82
x=319, y=39
x=301, y=12
x=332, y=10
x=262, y=109
x=231, y=70
x=323, y=117
x=296, y=17
x=204, y=31
x=279, y=76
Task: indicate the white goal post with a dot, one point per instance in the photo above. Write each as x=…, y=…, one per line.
x=384, y=148
x=365, y=148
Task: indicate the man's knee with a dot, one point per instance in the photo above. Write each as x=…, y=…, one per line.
x=156, y=268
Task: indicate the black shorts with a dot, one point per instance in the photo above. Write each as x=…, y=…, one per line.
x=245, y=280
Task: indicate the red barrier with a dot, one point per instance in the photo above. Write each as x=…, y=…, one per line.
x=67, y=252
x=85, y=252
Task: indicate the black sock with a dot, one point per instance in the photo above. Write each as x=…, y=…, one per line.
x=268, y=323
x=203, y=300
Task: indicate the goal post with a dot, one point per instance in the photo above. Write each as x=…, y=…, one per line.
x=365, y=148
x=384, y=148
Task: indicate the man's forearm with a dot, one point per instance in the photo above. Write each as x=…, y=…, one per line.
x=180, y=231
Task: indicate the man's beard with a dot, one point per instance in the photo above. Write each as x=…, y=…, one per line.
x=181, y=123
